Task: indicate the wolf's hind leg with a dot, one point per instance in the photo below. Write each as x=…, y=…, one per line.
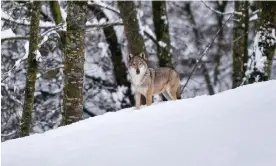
x=172, y=93
x=166, y=95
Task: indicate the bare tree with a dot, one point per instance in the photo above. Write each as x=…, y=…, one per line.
x=240, y=46
x=221, y=8
x=161, y=27
x=57, y=16
x=31, y=71
x=74, y=62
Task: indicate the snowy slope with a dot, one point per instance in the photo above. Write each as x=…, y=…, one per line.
x=233, y=128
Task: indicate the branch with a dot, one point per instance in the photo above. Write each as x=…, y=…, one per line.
x=15, y=38
x=105, y=6
x=104, y=25
x=219, y=12
x=151, y=37
x=204, y=52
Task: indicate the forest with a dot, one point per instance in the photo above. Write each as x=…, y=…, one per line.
x=65, y=61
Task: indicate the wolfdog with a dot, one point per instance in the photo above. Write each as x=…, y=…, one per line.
x=148, y=81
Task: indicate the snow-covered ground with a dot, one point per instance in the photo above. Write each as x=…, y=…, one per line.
x=233, y=128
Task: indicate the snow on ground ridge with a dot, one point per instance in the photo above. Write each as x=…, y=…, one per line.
x=235, y=127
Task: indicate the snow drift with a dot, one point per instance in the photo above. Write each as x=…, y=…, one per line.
x=236, y=127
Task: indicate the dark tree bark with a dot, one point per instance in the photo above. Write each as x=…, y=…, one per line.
x=135, y=40
x=161, y=27
x=260, y=62
x=120, y=70
x=240, y=46
x=220, y=7
x=26, y=120
x=74, y=62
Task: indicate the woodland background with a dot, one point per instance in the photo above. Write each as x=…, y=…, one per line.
x=63, y=61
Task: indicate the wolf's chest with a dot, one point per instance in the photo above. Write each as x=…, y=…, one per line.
x=136, y=79
x=140, y=89
x=137, y=83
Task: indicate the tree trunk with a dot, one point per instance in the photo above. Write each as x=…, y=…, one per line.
x=120, y=70
x=220, y=7
x=56, y=13
x=74, y=62
x=55, y=10
x=240, y=45
x=135, y=40
x=26, y=120
x=161, y=27
x=260, y=62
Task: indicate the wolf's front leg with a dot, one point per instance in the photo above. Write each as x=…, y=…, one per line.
x=149, y=98
x=137, y=100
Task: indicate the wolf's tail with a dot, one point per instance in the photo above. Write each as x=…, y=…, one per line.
x=178, y=93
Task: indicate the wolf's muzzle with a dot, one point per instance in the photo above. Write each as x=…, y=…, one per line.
x=137, y=71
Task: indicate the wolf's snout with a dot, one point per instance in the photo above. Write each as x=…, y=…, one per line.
x=137, y=71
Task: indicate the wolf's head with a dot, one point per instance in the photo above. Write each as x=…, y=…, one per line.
x=137, y=63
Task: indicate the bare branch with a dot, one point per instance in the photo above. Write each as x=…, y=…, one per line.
x=204, y=52
x=220, y=13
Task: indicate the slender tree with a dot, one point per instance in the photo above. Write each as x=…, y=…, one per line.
x=120, y=71
x=161, y=27
x=240, y=46
x=56, y=13
x=221, y=6
x=260, y=62
x=26, y=120
x=74, y=62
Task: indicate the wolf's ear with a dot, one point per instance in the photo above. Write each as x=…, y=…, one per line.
x=143, y=55
x=130, y=56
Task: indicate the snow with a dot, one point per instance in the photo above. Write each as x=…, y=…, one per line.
x=38, y=56
x=17, y=62
x=257, y=61
x=7, y=33
x=140, y=14
x=235, y=127
x=105, y=49
x=63, y=13
x=94, y=70
x=253, y=18
x=44, y=24
x=162, y=44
